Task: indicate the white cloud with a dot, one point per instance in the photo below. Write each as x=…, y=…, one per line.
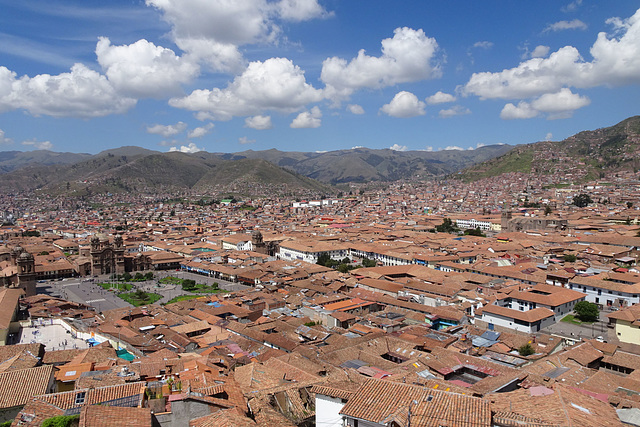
x=191, y=148
x=407, y=57
x=258, y=122
x=355, y=109
x=540, y=51
x=453, y=147
x=397, y=147
x=275, y=84
x=548, y=136
x=456, y=110
x=244, y=140
x=521, y=111
x=307, y=119
x=301, y=10
x=167, y=130
x=201, y=131
x=576, y=24
x=483, y=45
x=356, y=147
x=558, y=105
x=616, y=62
x=38, y=145
x=79, y=93
x=573, y=6
x=428, y=148
x=4, y=139
x=213, y=30
x=403, y=105
x=440, y=98
x=143, y=69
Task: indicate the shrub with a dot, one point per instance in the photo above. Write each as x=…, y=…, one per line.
x=526, y=350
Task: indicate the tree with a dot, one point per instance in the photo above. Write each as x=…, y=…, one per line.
x=366, y=262
x=587, y=311
x=126, y=276
x=323, y=259
x=474, y=232
x=188, y=285
x=569, y=258
x=447, y=226
x=629, y=205
x=547, y=210
x=526, y=350
x=582, y=200
x=140, y=294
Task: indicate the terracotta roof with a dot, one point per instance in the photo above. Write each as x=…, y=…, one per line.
x=530, y=316
x=19, y=386
x=109, y=416
x=381, y=402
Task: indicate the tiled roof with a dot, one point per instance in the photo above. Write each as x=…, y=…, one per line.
x=19, y=386
x=110, y=416
x=381, y=401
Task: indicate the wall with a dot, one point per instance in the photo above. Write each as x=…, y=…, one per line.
x=627, y=333
x=327, y=411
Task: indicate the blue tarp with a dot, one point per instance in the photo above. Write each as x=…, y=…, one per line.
x=124, y=354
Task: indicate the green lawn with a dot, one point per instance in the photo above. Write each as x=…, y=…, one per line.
x=170, y=280
x=570, y=318
x=201, y=288
x=118, y=286
x=183, y=298
x=135, y=300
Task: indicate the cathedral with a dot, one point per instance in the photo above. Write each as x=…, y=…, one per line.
x=18, y=268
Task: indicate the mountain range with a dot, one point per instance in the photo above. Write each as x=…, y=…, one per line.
x=583, y=156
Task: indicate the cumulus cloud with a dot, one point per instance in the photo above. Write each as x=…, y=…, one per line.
x=275, y=84
x=407, y=57
x=212, y=30
x=540, y=51
x=576, y=24
x=548, y=136
x=440, y=98
x=616, y=61
x=244, y=140
x=557, y=106
x=453, y=147
x=398, y=147
x=167, y=130
x=191, y=148
x=38, y=145
x=200, y=131
x=79, y=93
x=301, y=10
x=4, y=139
x=403, y=105
x=307, y=119
x=258, y=122
x=456, y=110
x=143, y=69
x=355, y=109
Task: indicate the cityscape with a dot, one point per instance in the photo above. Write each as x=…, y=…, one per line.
x=319, y=213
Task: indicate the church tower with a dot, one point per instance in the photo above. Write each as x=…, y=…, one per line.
x=27, y=273
x=505, y=219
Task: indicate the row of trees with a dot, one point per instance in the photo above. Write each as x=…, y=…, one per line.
x=343, y=265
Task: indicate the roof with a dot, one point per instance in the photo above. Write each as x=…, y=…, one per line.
x=8, y=303
x=530, y=316
x=107, y=416
x=19, y=386
x=381, y=401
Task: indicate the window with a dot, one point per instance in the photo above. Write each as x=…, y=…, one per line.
x=80, y=398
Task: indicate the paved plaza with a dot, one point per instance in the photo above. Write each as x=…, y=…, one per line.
x=54, y=337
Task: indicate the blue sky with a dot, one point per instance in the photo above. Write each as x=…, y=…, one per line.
x=312, y=75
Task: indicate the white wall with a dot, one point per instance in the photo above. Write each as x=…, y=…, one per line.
x=327, y=411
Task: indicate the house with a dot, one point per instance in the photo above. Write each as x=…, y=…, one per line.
x=626, y=323
x=530, y=321
x=19, y=386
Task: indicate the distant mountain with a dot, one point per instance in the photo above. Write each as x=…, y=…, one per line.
x=12, y=160
x=583, y=156
x=146, y=171
x=364, y=164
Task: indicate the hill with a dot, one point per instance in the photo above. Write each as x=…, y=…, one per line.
x=146, y=171
x=581, y=157
x=364, y=164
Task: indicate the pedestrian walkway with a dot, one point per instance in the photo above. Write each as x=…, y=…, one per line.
x=54, y=337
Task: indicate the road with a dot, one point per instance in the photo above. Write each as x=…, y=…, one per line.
x=84, y=291
x=573, y=331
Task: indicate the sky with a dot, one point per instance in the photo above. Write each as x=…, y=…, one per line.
x=312, y=75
